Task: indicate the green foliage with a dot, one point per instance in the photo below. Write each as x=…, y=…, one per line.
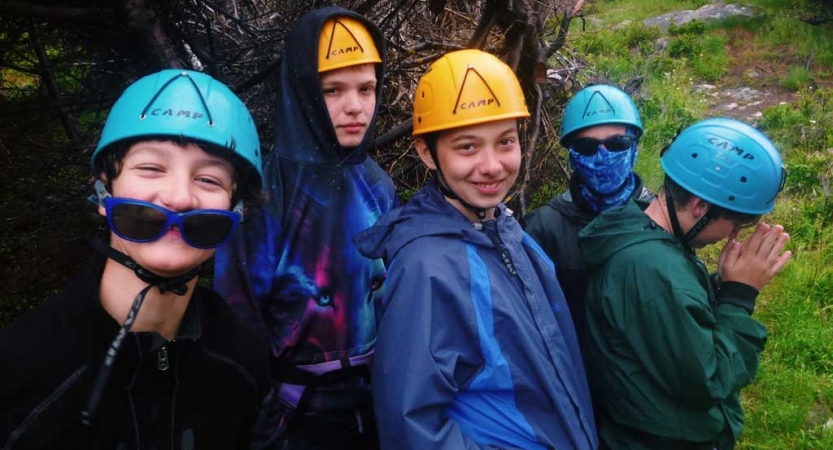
x=619, y=11
x=805, y=126
x=639, y=37
x=546, y=192
x=808, y=43
x=797, y=78
x=707, y=54
x=695, y=28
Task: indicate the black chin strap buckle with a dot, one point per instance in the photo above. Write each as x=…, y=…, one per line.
x=177, y=285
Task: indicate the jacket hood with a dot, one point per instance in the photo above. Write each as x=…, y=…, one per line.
x=570, y=209
x=427, y=213
x=572, y=206
x=304, y=131
x=619, y=228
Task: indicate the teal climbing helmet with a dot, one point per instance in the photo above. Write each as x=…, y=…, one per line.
x=727, y=163
x=185, y=104
x=599, y=104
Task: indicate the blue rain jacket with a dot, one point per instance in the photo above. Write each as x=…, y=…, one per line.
x=469, y=355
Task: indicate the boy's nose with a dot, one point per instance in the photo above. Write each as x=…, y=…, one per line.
x=352, y=104
x=178, y=196
x=489, y=163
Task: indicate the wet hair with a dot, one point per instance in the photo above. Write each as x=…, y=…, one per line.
x=246, y=177
x=681, y=196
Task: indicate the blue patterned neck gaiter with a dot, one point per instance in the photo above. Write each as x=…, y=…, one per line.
x=605, y=179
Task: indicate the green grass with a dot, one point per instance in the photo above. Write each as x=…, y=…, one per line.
x=792, y=397
x=618, y=11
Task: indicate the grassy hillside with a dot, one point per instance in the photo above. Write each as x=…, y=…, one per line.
x=790, y=406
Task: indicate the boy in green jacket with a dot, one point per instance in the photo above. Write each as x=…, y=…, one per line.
x=668, y=346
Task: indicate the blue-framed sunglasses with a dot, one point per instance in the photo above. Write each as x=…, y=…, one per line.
x=140, y=221
x=589, y=146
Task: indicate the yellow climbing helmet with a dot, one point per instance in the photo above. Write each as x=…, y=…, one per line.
x=345, y=42
x=466, y=87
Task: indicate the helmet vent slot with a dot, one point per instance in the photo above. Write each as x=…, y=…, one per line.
x=731, y=198
x=694, y=155
x=743, y=179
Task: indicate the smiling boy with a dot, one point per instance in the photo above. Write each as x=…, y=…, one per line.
x=134, y=353
x=476, y=348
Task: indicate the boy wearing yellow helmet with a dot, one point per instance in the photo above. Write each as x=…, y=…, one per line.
x=476, y=348
x=295, y=274
x=134, y=353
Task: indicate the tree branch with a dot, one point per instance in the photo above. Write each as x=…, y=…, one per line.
x=158, y=46
x=48, y=78
x=535, y=124
x=257, y=78
x=563, y=28
x=58, y=12
x=394, y=134
x=484, y=27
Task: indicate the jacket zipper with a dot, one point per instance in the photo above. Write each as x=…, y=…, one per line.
x=162, y=362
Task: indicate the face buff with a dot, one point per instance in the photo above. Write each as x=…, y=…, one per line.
x=605, y=179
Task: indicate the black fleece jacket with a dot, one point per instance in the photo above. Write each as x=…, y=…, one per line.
x=202, y=389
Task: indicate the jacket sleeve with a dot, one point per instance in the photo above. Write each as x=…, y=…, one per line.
x=700, y=354
x=538, y=225
x=426, y=351
x=245, y=267
x=43, y=383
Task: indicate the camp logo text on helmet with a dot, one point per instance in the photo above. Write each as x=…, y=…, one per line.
x=179, y=104
x=466, y=87
x=599, y=104
x=344, y=42
x=729, y=147
x=174, y=112
x=727, y=163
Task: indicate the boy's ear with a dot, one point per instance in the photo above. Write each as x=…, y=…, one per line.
x=425, y=153
x=699, y=207
x=103, y=177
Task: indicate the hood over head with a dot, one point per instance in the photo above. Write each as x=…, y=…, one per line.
x=304, y=131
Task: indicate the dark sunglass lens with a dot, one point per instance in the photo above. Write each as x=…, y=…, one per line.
x=586, y=146
x=137, y=222
x=618, y=143
x=206, y=229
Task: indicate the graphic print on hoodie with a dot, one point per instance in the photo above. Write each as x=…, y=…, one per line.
x=292, y=271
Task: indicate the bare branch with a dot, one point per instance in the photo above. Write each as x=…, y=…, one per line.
x=532, y=140
x=48, y=78
x=393, y=135
x=91, y=14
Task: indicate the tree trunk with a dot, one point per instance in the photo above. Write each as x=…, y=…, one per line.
x=48, y=79
x=158, y=48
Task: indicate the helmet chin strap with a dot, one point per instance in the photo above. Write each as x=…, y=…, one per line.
x=675, y=223
x=480, y=213
x=177, y=285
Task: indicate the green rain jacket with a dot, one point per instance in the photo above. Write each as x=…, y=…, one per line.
x=668, y=351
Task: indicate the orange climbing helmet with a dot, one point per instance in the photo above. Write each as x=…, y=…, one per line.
x=345, y=42
x=466, y=87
